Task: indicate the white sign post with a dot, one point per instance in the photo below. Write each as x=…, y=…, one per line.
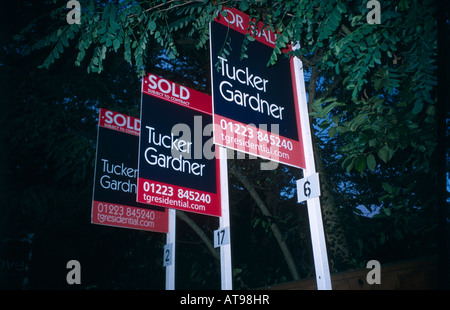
x=224, y=224
x=169, y=251
x=323, y=277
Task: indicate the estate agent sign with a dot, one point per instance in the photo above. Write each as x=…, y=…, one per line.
x=115, y=182
x=255, y=106
x=177, y=168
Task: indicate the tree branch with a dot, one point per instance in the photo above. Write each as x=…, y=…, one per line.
x=276, y=231
x=182, y=216
x=312, y=86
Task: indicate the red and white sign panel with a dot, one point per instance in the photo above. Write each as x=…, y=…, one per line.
x=240, y=22
x=178, y=166
x=255, y=106
x=115, y=182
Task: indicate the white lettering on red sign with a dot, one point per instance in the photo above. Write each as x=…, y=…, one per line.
x=119, y=122
x=235, y=20
x=240, y=21
x=122, y=121
x=167, y=87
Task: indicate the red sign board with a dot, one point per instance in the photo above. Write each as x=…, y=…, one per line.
x=240, y=22
x=255, y=107
x=178, y=166
x=115, y=182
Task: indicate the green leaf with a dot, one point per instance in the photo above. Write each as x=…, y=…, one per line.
x=330, y=107
x=382, y=238
x=360, y=119
x=377, y=84
x=336, y=119
x=360, y=163
x=383, y=154
x=418, y=106
x=112, y=18
x=333, y=22
x=348, y=163
x=256, y=222
x=342, y=129
x=332, y=132
x=387, y=187
x=152, y=25
x=116, y=44
x=64, y=41
x=244, y=5
x=341, y=7
x=371, y=162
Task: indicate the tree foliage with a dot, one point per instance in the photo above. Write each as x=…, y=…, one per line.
x=387, y=71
